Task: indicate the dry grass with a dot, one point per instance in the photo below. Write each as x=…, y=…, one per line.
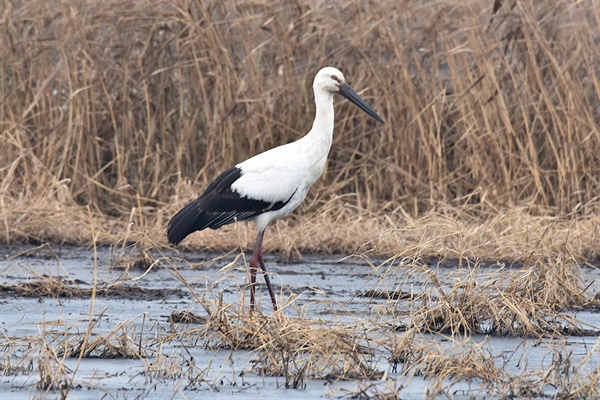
x=120, y=342
x=45, y=287
x=532, y=300
x=131, y=107
x=299, y=351
x=470, y=361
x=57, y=288
x=528, y=302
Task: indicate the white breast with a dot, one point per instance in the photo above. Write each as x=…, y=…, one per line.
x=284, y=173
x=277, y=174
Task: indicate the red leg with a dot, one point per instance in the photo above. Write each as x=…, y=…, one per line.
x=268, y=281
x=255, y=262
x=253, y=270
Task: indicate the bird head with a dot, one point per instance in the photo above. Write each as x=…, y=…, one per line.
x=331, y=80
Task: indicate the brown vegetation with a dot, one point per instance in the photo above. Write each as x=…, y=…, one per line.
x=131, y=107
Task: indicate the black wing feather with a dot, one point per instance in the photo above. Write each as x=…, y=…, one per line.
x=217, y=206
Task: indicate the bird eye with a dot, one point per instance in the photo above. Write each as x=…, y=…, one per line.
x=335, y=78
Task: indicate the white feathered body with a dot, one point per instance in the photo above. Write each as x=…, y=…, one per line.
x=289, y=171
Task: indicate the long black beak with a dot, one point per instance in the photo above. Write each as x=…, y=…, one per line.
x=349, y=93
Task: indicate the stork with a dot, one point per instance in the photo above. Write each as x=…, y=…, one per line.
x=272, y=184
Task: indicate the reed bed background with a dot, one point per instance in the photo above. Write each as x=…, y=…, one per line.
x=122, y=111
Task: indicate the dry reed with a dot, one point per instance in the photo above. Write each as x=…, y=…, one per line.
x=527, y=301
x=131, y=107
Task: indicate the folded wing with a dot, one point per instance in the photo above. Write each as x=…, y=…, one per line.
x=219, y=205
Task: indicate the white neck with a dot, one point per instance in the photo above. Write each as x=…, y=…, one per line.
x=322, y=129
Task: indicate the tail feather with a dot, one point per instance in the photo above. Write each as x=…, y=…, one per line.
x=184, y=223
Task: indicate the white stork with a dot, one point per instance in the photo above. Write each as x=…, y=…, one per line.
x=272, y=184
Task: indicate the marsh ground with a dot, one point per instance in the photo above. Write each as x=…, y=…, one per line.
x=108, y=324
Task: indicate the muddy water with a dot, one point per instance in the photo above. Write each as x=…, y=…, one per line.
x=134, y=305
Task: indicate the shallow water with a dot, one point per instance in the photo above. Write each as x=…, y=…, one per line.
x=323, y=288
